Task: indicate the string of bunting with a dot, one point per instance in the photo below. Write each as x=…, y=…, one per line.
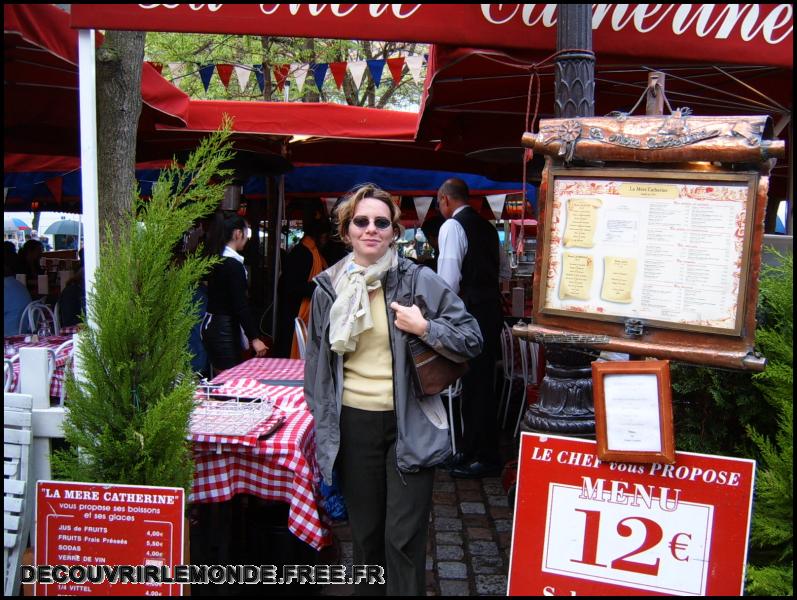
x=299, y=72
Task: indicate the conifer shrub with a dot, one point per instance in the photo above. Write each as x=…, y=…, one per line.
x=128, y=417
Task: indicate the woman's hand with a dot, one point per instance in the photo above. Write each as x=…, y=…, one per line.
x=259, y=347
x=409, y=318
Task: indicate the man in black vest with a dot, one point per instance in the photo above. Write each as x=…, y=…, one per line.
x=469, y=263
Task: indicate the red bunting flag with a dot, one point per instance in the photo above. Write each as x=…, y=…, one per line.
x=224, y=72
x=396, y=66
x=281, y=75
x=56, y=187
x=338, y=72
x=157, y=66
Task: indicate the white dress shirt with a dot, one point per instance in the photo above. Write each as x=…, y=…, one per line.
x=453, y=245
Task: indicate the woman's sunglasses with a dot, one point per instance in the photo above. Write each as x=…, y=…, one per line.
x=379, y=222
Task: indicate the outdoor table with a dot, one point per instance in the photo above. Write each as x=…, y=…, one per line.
x=280, y=467
x=13, y=343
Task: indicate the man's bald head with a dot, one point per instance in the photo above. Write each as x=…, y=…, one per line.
x=451, y=195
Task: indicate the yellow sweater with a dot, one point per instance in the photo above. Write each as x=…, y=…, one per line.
x=368, y=371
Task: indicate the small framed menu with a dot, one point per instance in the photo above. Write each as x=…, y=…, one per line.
x=633, y=411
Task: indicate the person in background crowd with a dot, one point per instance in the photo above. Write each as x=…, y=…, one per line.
x=296, y=286
x=431, y=230
x=382, y=437
x=72, y=301
x=228, y=326
x=10, y=256
x=30, y=258
x=15, y=299
x=70, y=243
x=469, y=263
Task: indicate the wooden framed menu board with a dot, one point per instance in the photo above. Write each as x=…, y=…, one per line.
x=668, y=248
x=650, y=235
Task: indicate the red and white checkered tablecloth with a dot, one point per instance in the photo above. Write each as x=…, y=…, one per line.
x=264, y=368
x=281, y=467
x=53, y=342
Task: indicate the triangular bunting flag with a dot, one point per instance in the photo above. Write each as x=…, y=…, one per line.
x=414, y=64
x=56, y=186
x=281, y=74
x=319, y=73
x=205, y=73
x=261, y=80
x=242, y=74
x=357, y=70
x=177, y=69
x=157, y=66
x=329, y=202
x=338, y=72
x=496, y=202
x=299, y=75
x=376, y=67
x=396, y=66
x=224, y=71
x=422, y=204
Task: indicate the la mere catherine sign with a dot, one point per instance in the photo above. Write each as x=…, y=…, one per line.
x=758, y=34
x=585, y=527
x=103, y=524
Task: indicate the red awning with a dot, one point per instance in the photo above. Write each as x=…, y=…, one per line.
x=476, y=100
x=299, y=118
x=40, y=87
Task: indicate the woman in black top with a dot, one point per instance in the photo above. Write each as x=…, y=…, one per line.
x=228, y=326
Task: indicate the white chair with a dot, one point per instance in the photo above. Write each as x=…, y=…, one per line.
x=8, y=372
x=35, y=312
x=301, y=336
x=18, y=503
x=512, y=374
x=67, y=347
x=529, y=357
x=454, y=391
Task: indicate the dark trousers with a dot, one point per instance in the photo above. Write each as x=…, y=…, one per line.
x=388, y=510
x=479, y=404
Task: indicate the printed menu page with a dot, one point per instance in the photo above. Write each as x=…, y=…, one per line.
x=656, y=251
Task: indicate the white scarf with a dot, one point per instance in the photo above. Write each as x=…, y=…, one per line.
x=350, y=314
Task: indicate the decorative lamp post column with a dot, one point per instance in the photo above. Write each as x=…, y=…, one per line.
x=565, y=397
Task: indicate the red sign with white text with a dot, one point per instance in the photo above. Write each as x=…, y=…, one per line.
x=96, y=524
x=585, y=527
x=758, y=34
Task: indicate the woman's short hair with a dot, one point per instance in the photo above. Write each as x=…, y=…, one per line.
x=346, y=209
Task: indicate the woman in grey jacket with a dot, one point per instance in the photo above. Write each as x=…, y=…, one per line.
x=372, y=425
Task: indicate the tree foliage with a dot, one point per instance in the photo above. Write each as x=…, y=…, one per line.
x=128, y=416
x=772, y=568
x=197, y=50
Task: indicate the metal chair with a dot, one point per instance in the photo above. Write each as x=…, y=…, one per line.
x=454, y=391
x=8, y=372
x=69, y=348
x=512, y=373
x=301, y=336
x=35, y=312
x=529, y=359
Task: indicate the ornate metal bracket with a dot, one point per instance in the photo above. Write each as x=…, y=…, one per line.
x=634, y=328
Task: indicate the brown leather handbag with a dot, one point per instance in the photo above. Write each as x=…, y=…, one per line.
x=433, y=371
